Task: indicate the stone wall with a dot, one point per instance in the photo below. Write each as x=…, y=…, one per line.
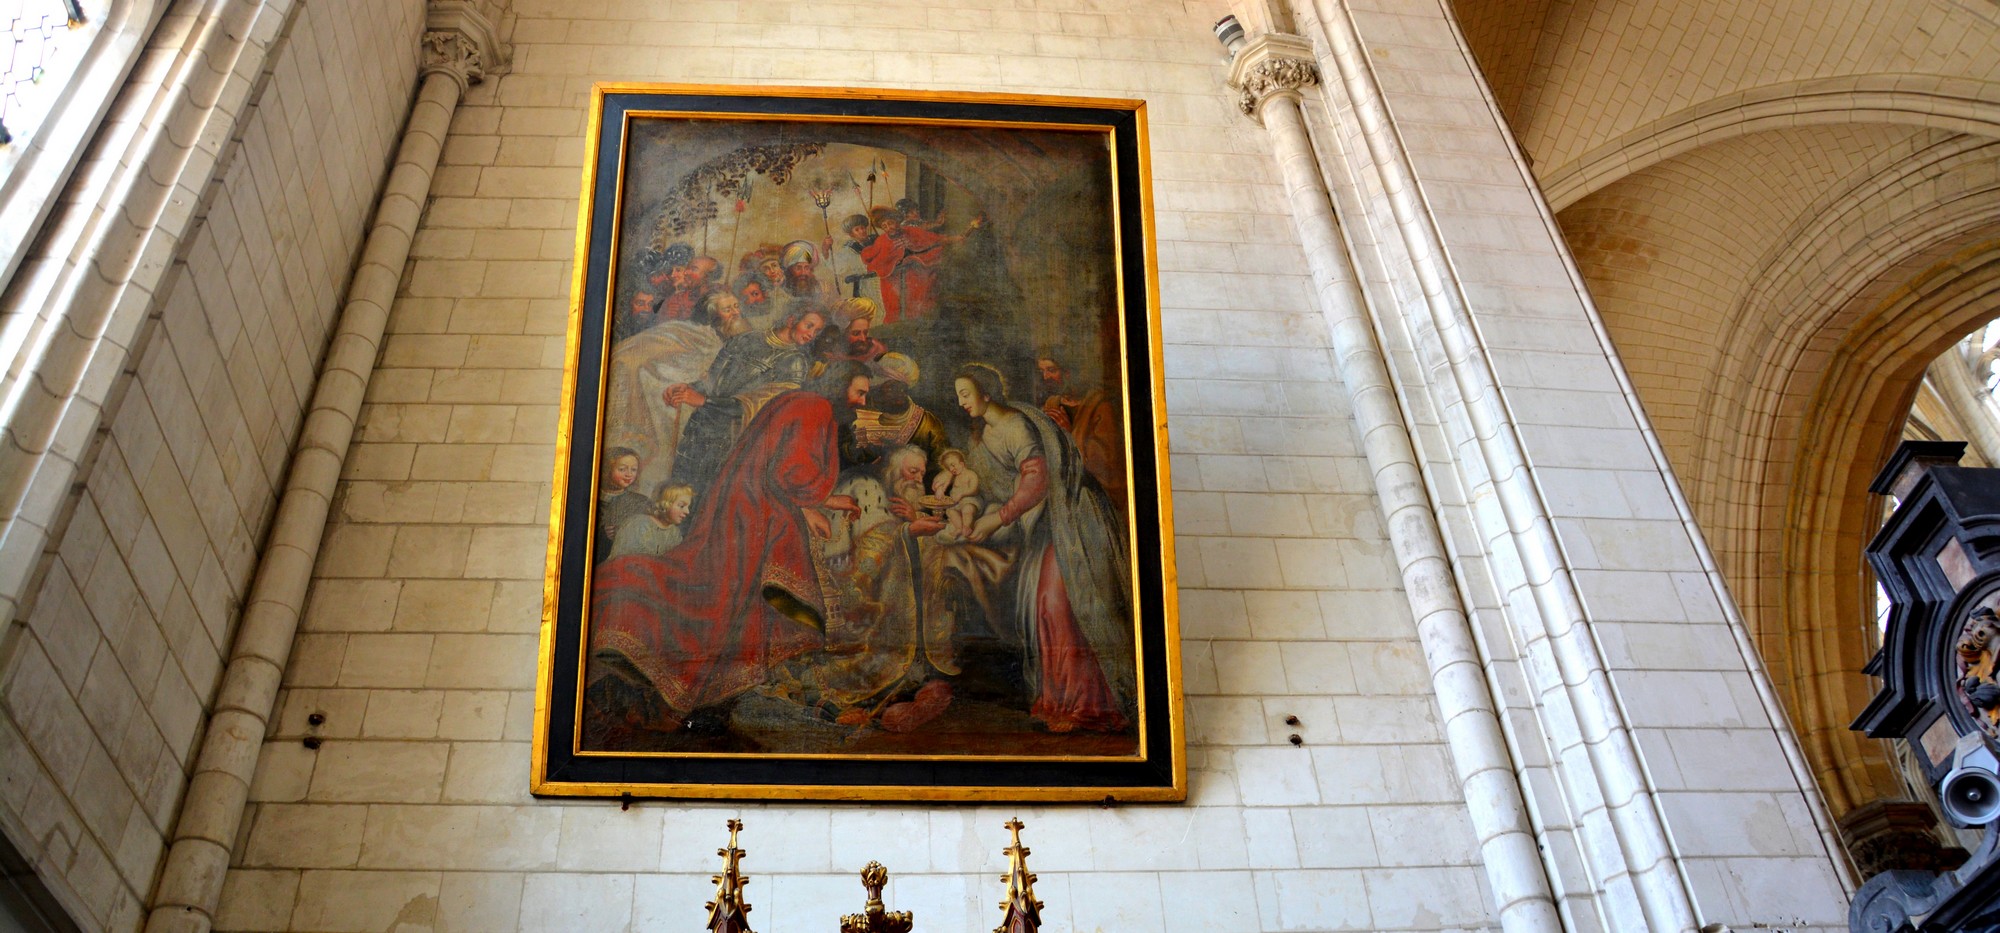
x=105, y=689
x=420, y=636
x=1744, y=303
x=1635, y=701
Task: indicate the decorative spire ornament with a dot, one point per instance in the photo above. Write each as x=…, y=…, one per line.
x=875, y=918
x=729, y=912
x=1023, y=912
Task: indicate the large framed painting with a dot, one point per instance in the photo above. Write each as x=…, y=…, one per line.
x=862, y=480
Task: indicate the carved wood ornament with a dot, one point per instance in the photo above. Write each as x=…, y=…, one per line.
x=729, y=912
x=875, y=917
x=1023, y=912
x=1978, y=689
x=1938, y=560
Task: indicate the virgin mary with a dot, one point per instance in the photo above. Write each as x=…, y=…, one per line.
x=1049, y=528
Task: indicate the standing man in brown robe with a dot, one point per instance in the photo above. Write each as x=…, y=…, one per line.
x=1092, y=419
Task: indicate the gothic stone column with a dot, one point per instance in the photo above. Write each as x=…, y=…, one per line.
x=1637, y=692
x=455, y=53
x=1269, y=74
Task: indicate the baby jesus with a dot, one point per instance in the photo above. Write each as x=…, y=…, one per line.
x=957, y=483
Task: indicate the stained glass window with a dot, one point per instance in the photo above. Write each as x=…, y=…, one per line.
x=32, y=60
x=1981, y=350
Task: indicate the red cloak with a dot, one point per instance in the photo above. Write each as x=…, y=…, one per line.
x=906, y=265
x=710, y=618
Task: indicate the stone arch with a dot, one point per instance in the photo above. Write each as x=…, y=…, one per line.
x=1562, y=71
x=1847, y=240
x=1783, y=496
x=1852, y=422
x=1781, y=409
x=1956, y=105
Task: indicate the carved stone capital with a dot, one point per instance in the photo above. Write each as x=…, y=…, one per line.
x=462, y=41
x=1272, y=64
x=1884, y=835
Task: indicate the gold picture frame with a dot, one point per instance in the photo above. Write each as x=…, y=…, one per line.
x=850, y=499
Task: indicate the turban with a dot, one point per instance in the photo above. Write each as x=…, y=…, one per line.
x=898, y=367
x=797, y=251
x=854, y=309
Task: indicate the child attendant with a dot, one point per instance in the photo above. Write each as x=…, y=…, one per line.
x=616, y=500
x=658, y=530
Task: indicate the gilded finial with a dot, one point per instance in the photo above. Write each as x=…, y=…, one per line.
x=876, y=917
x=729, y=912
x=1023, y=912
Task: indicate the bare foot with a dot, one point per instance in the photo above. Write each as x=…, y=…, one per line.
x=855, y=716
x=1063, y=725
x=930, y=702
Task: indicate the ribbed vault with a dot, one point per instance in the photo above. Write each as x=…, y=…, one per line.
x=1672, y=252
x=1763, y=292
x=1574, y=75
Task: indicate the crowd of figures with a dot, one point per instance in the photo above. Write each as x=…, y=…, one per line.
x=804, y=546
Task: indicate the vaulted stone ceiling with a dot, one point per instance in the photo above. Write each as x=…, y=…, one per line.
x=1673, y=252
x=1504, y=36
x=1575, y=75
x=1688, y=147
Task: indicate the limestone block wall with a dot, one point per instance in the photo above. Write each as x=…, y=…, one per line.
x=1744, y=302
x=106, y=683
x=1636, y=703
x=420, y=635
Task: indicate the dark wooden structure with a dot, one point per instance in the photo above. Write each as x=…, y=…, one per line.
x=1938, y=559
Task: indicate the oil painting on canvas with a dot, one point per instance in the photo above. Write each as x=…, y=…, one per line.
x=872, y=481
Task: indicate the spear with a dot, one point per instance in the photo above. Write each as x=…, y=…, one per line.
x=823, y=197
x=736, y=229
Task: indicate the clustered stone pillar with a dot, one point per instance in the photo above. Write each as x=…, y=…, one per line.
x=1269, y=73
x=1634, y=810
x=190, y=886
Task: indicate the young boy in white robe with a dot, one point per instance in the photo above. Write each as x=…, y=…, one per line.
x=658, y=530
